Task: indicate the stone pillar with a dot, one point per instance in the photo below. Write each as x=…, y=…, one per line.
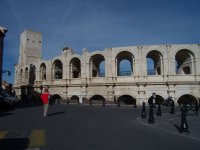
x=80, y=99
x=141, y=94
x=2, y=35
x=143, y=64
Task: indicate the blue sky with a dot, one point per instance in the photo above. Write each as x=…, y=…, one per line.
x=97, y=24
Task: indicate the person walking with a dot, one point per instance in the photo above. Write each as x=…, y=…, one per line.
x=45, y=99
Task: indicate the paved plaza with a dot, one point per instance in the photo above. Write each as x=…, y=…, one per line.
x=83, y=127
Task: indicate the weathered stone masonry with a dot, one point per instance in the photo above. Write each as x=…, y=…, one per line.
x=175, y=74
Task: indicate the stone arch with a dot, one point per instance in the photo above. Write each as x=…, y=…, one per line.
x=159, y=99
x=55, y=99
x=97, y=99
x=32, y=74
x=127, y=100
x=97, y=65
x=43, y=71
x=187, y=99
x=124, y=63
x=57, y=69
x=154, y=60
x=74, y=99
x=184, y=61
x=75, y=67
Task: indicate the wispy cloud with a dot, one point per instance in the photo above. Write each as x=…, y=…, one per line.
x=64, y=17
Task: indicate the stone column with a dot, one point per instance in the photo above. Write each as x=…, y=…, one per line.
x=143, y=64
x=2, y=35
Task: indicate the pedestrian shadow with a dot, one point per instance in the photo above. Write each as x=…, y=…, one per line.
x=56, y=113
x=14, y=143
x=178, y=128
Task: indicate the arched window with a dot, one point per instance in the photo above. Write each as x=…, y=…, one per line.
x=97, y=66
x=21, y=75
x=184, y=62
x=42, y=72
x=26, y=74
x=124, y=64
x=57, y=69
x=75, y=68
x=32, y=74
x=154, y=63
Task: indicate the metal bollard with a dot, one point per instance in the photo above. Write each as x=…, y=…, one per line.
x=151, y=117
x=184, y=125
x=172, y=111
x=159, y=113
x=143, y=115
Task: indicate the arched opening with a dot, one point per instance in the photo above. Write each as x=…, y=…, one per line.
x=97, y=67
x=154, y=63
x=97, y=99
x=42, y=72
x=159, y=99
x=184, y=62
x=75, y=68
x=124, y=61
x=74, y=99
x=187, y=99
x=26, y=74
x=57, y=69
x=21, y=75
x=32, y=74
x=55, y=99
x=126, y=100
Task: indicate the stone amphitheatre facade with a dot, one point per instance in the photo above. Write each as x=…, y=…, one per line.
x=171, y=71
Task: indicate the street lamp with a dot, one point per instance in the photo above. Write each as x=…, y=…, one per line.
x=7, y=71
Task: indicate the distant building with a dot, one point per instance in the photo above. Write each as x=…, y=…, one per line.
x=98, y=76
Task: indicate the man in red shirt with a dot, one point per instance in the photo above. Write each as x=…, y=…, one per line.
x=45, y=99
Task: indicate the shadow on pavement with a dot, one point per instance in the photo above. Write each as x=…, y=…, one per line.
x=56, y=113
x=14, y=143
x=178, y=128
x=29, y=103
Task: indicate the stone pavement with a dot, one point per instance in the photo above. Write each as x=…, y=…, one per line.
x=170, y=123
x=82, y=127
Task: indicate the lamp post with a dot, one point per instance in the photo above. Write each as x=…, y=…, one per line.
x=151, y=117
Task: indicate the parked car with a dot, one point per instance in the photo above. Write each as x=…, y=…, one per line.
x=7, y=100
